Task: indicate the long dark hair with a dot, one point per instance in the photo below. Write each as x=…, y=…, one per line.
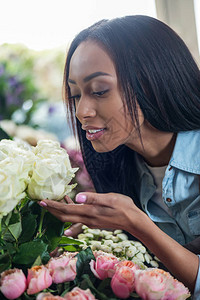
x=156, y=70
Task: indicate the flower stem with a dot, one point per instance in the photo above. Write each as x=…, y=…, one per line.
x=43, y=211
x=1, y=241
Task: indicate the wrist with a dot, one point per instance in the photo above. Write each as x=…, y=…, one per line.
x=140, y=225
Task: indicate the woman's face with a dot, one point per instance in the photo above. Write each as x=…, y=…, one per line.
x=94, y=87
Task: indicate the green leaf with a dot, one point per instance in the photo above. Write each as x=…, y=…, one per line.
x=54, y=227
x=82, y=266
x=69, y=241
x=87, y=283
x=134, y=296
x=28, y=252
x=68, y=286
x=67, y=225
x=45, y=257
x=37, y=262
x=54, y=230
x=9, y=248
x=71, y=248
x=27, y=297
x=104, y=284
x=31, y=207
x=53, y=242
x=4, y=135
x=29, y=226
x=11, y=227
x=5, y=262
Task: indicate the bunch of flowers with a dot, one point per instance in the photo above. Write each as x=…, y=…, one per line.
x=28, y=174
x=91, y=275
x=111, y=268
x=15, y=90
x=117, y=243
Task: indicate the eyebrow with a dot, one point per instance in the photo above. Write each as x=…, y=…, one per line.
x=89, y=77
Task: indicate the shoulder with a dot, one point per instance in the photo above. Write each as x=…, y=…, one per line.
x=186, y=153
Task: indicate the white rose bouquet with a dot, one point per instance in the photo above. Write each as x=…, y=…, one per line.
x=28, y=174
x=51, y=173
x=16, y=161
x=43, y=172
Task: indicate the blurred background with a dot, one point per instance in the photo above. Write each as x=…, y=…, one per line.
x=34, y=38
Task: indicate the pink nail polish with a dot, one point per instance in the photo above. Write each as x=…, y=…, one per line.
x=43, y=204
x=68, y=232
x=80, y=198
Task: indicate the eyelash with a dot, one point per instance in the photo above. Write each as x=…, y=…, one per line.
x=98, y=94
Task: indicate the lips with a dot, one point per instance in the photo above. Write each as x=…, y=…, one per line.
x=95, y=130
x=94, y=134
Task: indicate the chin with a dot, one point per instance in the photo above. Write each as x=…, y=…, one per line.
x=100, y=148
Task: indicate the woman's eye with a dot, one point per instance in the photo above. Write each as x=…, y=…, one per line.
x=100, y=93
x=75, y=97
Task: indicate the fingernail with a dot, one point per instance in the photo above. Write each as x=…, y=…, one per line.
x=80, y=198
x=68, y=232
x=42, y=203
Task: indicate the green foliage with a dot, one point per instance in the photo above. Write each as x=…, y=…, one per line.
x=27, y=252
x=85, y=278
x=18, y=87
x=82, y=265
x=28, y=234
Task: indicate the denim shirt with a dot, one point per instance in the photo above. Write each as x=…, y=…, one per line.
x=180, y=191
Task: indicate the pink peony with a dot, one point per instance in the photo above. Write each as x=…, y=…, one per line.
x=48, y=296
x=177, y=292
x=104, y=266
x=127, y=263
x=38, y=279
x=122, y=282
x=79, y=294
x=152, y=284
x=13, y=283
x=63, y=268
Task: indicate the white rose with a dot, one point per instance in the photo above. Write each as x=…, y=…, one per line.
x=13, y=182
x=16, y=149
x=52, y=172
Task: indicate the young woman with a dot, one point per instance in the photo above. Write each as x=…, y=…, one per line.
x=133, y=91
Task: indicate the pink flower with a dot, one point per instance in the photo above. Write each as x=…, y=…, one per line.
x=127, y=263
x=48, y=296
x=152, y=284
x=38, y=279
x=104, y=266
x=177, y=292
x=13, y=283
x=63, y=268
x=122, y=282
x=79, y=294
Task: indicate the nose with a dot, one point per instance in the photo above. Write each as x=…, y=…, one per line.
x=85, y=108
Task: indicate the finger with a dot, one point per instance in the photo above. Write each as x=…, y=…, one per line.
x=74, y=230
x=68, y=199
x=59, y=208
x=108, y=199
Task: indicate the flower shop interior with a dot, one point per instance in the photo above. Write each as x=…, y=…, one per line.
x=37, y=260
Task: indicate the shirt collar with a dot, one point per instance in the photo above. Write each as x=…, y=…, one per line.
x=186, y=153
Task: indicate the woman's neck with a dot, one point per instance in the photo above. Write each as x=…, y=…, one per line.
x=156, y=147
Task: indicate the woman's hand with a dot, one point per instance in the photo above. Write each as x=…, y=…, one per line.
x=119, y=212
x=96, y=210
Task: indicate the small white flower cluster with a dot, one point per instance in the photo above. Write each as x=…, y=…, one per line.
x=42, y=172
x=117, y=243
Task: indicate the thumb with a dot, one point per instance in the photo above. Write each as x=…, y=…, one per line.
x=94, y=198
